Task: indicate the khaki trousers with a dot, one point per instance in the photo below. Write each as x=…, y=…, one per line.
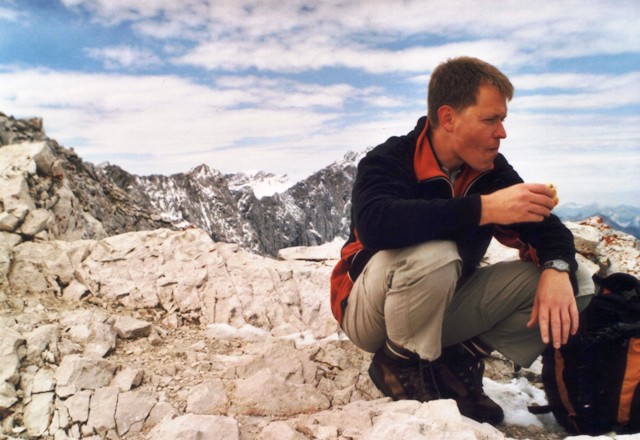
x=409, y=295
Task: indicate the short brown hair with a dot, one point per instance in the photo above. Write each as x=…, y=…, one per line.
x=456, y=83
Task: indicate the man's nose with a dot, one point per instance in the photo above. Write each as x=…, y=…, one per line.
x=501, y=132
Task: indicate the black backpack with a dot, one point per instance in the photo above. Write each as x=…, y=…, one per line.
x=593, y=382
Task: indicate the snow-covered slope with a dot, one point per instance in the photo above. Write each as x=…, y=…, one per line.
x=262, y=183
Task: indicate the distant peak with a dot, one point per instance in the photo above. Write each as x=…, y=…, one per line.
x=262, y=183
x=204, y=171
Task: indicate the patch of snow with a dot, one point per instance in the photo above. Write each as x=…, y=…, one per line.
x=514, y=397
x=247, y=332
x=261, y=183
x=326, y=251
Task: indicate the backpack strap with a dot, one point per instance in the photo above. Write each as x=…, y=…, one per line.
x=562, y=388
x=630, y=383
x=540, y=409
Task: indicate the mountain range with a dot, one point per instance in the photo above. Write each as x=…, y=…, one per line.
x=311, y=212
x=625, y=218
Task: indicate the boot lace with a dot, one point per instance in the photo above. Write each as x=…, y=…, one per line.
x=418, y=383
x=471, y=377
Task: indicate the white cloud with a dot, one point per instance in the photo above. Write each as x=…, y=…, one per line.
x=578, y=81
x=357, y=34
x=591, y=157
x=303, y=55
x=177, y=122
x=8, y=14
x=10, y=11
x=609, y=92
x=116, y=57
x=117, y=11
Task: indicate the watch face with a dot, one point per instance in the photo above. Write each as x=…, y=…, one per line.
x=560, y=265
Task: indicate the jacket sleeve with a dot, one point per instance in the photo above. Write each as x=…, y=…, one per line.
x=550, y=238
x=387, y=214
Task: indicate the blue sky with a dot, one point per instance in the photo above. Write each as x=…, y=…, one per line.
x=161, y=86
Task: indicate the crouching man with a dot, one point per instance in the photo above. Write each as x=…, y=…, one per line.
x=424, y=209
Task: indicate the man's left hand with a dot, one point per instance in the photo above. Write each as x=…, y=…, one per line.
x=555, y=308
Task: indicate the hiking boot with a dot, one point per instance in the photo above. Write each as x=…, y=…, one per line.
x=459, y=374
x=401, y=378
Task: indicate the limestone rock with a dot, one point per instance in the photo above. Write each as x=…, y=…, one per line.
x=102, y=410
x=78, y=406
x=43, y=381
x=8, y=221
x=284, y=359
x=14, y=194
x=36, y=221
x=75, y=291
x=10, y=355
x=101, y=339
x=266, y=393
x=20, y=130
x=41, y=339
x=127, y=378
x=84, y=373
x=80, y=203
x=130, y=328
x=41, y=267
x=280, y=431
x=586, y=238
x=60, y=420
x=9, y=240
x=43, y=158
x=7, y=396
x=132, y=410
x=411, y=419
x=38, y=412
x=201, y=427
x=160, y=411
x=209, y=397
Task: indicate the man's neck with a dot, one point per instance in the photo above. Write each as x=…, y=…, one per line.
x=442, y=150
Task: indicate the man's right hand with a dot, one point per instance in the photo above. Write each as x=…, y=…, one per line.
x=524, y=202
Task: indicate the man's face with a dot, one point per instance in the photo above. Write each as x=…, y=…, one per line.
x=477, y=130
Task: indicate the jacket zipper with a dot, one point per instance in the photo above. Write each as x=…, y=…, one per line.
x=474, y=181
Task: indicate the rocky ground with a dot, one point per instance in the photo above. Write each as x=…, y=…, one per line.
x=90, y=366
x=159, y=333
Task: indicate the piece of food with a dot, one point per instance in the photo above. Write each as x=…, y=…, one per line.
x=556, y=200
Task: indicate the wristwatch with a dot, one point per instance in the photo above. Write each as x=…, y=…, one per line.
x=559, y=265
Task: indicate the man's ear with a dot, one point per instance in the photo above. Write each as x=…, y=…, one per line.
x=446, y=116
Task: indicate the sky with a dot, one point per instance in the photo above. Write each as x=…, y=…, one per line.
x=288, y=86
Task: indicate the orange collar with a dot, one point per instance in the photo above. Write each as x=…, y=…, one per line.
x=425, y=162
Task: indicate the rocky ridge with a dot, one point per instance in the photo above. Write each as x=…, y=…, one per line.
x=164, y=334
x=311, y=212
x=64, y=197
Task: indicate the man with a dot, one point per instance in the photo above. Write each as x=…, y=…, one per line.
x=424, y=209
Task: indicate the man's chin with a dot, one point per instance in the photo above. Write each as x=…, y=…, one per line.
x=481, y=168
